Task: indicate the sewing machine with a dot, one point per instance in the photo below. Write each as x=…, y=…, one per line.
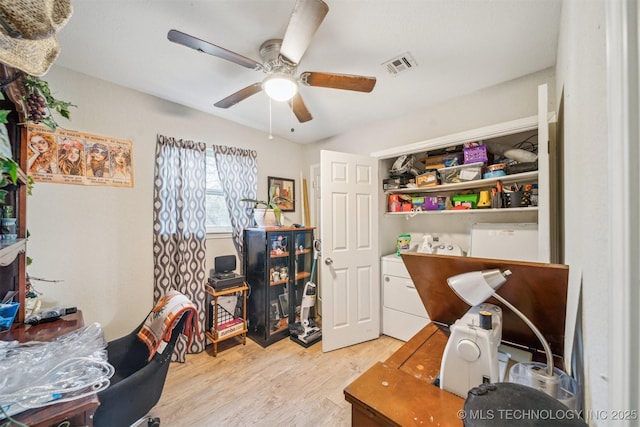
x=471, y=355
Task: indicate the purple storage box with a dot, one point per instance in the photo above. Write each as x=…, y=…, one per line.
x=475, y=154
x=433, y=203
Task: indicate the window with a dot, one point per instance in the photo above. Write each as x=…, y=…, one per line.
x=217, y=212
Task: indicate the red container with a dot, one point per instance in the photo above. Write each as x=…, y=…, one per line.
x=394, y=203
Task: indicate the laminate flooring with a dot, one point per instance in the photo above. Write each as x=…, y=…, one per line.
x=284, y=384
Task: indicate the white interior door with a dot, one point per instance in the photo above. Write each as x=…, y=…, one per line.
x=349, y=263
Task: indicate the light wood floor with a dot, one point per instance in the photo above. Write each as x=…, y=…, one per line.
x=284, y=384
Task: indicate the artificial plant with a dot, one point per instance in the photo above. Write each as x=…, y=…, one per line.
x=272, y=203
x=41, y=103
x=8, y=167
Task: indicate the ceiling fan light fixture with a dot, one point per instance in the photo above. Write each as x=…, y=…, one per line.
x=280, y=86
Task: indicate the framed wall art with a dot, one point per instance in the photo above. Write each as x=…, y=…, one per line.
x=70, y=157
x=284, y=192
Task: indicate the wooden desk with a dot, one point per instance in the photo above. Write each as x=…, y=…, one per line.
x=78, y=412
x=400, y=390
x=22, y=332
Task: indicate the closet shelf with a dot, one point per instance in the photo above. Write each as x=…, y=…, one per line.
x=466, y=185
x=465, y=211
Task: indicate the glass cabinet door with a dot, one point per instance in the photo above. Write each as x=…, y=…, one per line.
x=277, y=265
x=279, y=262
x=303, y=264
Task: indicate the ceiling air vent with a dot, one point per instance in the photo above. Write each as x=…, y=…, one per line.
x=400, y=64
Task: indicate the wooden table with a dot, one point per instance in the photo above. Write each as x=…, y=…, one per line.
x=400, y=390
x=77, y=412
x=22, y=332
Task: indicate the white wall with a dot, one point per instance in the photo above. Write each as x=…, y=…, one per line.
x=510, y=100
x=581, y=74
x=99, y=239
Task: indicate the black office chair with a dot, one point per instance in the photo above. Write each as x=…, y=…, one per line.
x=137, y=384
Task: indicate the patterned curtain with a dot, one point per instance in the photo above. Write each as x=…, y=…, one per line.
x=179, y=231
x=238, y=173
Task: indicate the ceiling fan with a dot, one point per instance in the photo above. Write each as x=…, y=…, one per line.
x=280, y=61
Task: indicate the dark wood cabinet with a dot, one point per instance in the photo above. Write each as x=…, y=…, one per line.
x=277, y=264
x=12, y=252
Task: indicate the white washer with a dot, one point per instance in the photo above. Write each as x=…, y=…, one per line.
x=403, y=314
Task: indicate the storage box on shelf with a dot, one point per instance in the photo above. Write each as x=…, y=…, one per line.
x=439, y=161
x=462, y=173
x=475, y=153
x=427, y=179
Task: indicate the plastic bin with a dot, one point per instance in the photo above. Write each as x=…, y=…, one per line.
x=462, y=173
x=8, y=312
x=567, y=389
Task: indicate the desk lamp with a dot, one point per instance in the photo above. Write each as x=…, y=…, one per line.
x=477, y=286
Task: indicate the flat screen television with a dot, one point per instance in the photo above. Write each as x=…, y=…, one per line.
x=224, y=264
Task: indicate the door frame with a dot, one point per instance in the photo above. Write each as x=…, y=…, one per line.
x=623, y=98
x=315, y=204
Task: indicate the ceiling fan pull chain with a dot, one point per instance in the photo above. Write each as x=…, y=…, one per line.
x=270, y=116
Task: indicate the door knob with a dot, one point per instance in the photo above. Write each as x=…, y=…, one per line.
x=328, y=261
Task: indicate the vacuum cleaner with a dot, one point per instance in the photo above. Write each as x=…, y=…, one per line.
x=305, y=332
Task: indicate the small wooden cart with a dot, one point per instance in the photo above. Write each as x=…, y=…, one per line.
x=216, y=335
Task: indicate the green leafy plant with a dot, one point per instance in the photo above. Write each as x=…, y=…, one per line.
x=41, y=103
x=272, y=203
x=8, y=167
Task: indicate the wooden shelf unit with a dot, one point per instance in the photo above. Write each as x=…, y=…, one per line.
x=13, y=258
x=213, y=335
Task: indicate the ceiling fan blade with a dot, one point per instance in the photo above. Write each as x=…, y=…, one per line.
x=240, y=95
x=305, y=19
x=338, y=81
x=300, y=109
x=206, y=47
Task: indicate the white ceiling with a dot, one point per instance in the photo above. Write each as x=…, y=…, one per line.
x=460, y=46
